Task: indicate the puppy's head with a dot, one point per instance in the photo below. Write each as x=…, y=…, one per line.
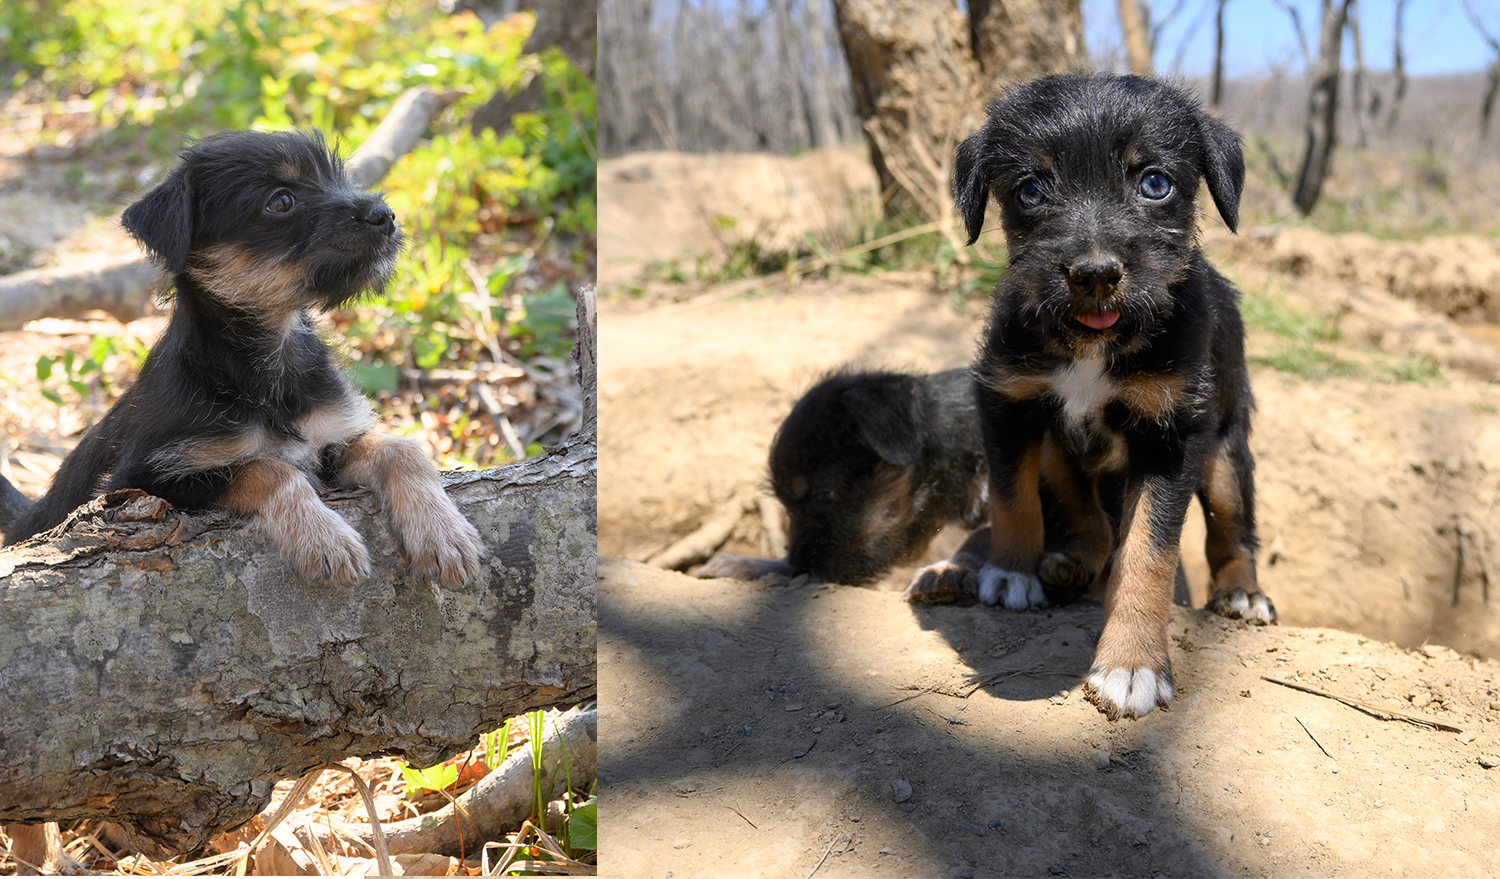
x=842, y=465
x=1097, y=176
x=267, y=223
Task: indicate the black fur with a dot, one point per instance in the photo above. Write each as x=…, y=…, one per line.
x=1113, y=342
x=230, y=361
x=869, y=467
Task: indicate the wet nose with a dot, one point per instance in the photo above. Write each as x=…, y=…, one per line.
x=1096, y=275
x=380, y=215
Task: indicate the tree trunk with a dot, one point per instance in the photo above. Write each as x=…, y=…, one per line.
x=1322, y=107
x=920, y=73
x=164, y=671
x=1137, y=44
x=1398, y=70
x=1216, y=96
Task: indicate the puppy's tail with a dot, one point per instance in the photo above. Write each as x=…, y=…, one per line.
x=13, y=505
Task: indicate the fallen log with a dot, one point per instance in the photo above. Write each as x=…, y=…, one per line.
x=164, y=670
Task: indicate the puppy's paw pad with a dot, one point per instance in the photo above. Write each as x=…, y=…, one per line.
x=941, y=583
x=1016, y=591
x=1064, y=578
x=1123, y=692
x=1254, y=608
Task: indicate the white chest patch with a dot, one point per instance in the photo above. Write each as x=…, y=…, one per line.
x=1083, y=389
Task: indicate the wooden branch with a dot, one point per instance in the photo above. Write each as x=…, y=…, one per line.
x=123, y=288
x=164, y=670
x=397, y=133
x=500, y=801
x=1374, y=711
x=120, y=287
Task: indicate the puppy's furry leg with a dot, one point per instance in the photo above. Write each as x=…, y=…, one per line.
x=1228, y=498
x=954, y=578
x=1009, y=575
x=316, y=541
x=1079, y=537
x=438, y=540
x=1131, y=673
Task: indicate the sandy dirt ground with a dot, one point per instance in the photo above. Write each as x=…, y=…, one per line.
x=800, y=729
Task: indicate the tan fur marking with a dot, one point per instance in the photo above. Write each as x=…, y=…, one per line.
x=438, y=540
x=1153, y=397
x=1138, y=599
x=1017, y=386
x=1230, y=561
x=240, y=276
x=314, y=540
x=1016, y=527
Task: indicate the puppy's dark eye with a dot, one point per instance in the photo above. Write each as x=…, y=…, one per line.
x=1155, y=186
x=281, y=201
x=1030, y=194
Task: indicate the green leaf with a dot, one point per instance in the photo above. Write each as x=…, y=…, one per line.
x=583, y=826
x=373, y=378
x=434, y=778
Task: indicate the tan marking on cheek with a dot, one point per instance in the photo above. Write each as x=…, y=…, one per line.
x=250, y=280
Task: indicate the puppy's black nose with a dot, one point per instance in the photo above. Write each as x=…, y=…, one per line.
x=380, y=215
x=1095, y=274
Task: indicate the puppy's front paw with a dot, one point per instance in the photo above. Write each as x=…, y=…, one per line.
x=325, y=548
x=942, y=583
x=1015, y=590
x=1125, y=692
x=1065, y=578
x=1252, y=607
x=442, y=544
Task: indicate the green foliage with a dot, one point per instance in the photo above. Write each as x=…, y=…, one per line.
x=436, y=778
x=70, y=372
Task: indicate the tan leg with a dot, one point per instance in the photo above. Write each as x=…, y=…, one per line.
x=439, y=542
x=315, y=541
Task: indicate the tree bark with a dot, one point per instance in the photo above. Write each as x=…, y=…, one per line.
x=164, y=671
x=1137, y=44
x=920, y=74
x=1322, y=107
x=1216, y=91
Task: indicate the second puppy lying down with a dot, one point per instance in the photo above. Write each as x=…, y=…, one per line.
x=870, y=466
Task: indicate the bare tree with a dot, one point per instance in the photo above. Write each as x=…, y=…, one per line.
x=1216, y=91
x=1322, y=106
x=920, y=71
x=1358, y=81
x=1492, y=73
x=1134, y=28
x=1398, y=68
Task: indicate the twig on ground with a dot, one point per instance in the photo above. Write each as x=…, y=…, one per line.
x=704, y=542
x=1313, y=737
x=1372, y=710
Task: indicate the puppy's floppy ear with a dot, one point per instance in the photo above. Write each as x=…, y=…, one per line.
x=162, y=220
x=971, y=183
x=889, y=417
x=1223, y=167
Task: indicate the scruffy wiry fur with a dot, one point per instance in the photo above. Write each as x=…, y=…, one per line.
x=1112, y=367
x=239, y=404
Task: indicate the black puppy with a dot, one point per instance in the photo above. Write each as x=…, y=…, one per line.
x=1114, y=349
x=870, y=466
x=239, y=405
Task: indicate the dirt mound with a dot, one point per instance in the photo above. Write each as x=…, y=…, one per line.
x=774, y=731
x=1457, y=276
x=793, y=729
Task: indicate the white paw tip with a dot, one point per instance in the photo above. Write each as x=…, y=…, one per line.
x=1018, y=591
x=1130, y=693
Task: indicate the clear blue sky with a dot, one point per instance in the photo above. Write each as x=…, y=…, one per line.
x=1439, y=38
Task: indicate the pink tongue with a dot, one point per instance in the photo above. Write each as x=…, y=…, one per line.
x=1099, y=320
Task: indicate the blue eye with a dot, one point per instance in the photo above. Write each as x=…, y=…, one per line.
x=1155, y=186
x=280, y=202
x=1030, y=194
